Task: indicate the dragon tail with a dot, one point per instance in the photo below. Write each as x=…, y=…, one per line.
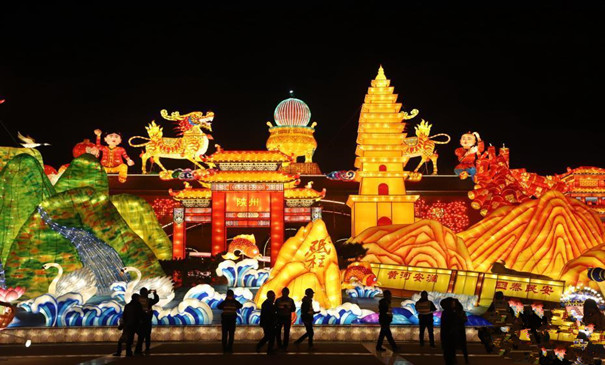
x=138, y=145
x=441, y=135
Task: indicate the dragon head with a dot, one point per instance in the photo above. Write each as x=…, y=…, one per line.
x=186, y=121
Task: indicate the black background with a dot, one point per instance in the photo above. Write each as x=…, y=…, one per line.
x=530, y=76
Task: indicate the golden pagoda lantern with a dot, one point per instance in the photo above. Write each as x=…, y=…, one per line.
x=292, y=135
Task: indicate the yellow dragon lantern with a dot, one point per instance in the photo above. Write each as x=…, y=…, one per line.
x=191, y=144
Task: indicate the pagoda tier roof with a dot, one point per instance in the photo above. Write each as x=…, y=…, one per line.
x=582, y=170
x=248, y=156
x=216, y=176
x=306, y=193
x=190, y=193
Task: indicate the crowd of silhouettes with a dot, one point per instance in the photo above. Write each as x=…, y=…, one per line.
x=276, y=315
x=137, y=319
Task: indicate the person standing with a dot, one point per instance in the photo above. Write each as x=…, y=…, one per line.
x=461, y=328
x=449, y=330
x=425, y=309
x=385, y=318
x=230, y=307
x=306, y=314
x=268, y=321
x=285, y=307
x=147, y=318
x=129, y=323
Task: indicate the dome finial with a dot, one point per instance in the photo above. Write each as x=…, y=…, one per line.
x=381, y=75
x=291, y=93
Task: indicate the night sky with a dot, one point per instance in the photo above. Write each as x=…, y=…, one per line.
x=530, y=77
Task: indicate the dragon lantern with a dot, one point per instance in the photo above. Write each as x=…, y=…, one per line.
x=190, y=145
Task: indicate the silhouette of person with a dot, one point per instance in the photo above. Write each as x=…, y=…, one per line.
x=268, y=321
x=306, y=315
x=449, y=330
x=385, y=318
x=129, y=324
x=425, y=309
x=230, y=307
x=285, y=307
x=146, y=322
x=461, y=328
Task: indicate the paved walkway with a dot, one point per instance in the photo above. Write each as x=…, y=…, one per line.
x=183, y=353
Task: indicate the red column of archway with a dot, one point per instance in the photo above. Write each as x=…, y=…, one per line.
x=219, y=233
x=277, y=224
x=179, y=233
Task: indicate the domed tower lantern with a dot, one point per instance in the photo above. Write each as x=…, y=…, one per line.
x=293, y=136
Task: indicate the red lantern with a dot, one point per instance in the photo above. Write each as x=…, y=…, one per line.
x=86, y=146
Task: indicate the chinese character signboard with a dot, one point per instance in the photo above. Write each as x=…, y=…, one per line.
x=412, y=278
x=514, y=286
x=484, y=285
x=247, y=209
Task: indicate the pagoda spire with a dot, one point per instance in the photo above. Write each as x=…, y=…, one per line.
x=381, y=75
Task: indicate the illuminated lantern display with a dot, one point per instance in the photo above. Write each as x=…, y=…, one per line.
x=113, y=156
x=425, y=243
x=306, y=260
x=243, y=245
x=539, y=236
x=86, y=146
x=381, y=157
x=586, y=269
x=191, y=145
x=471, y=146
x=423, y=145
x=453, y=215
x=359, y=273
x=587, y=184
x=293, y=136
x=7, y=153
x=245, y=189
x=497, y=185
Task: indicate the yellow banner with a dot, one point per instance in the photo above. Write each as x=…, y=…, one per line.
x=466, y=282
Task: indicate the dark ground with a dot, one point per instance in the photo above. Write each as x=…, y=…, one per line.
x=210, y=353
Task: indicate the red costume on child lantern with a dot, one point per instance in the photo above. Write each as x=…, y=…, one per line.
x=113, y=155
x=472, y=147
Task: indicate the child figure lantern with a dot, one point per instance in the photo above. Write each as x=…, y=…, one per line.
x=471, y=147
x=112, y=158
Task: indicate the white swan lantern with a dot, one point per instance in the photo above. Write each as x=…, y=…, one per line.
x=81, y=281
x=161, y=284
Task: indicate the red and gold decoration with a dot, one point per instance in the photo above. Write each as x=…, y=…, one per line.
x=471, y=147
x=496, y=185
x=359, y=273
x=242, y=245
x=453, y=215
x=293, y=136
x=245, y=189
x=190, y=145
x=423, y=145
x=587, y=184
x=381, y=158
x=306, y=260
x=113, y=158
